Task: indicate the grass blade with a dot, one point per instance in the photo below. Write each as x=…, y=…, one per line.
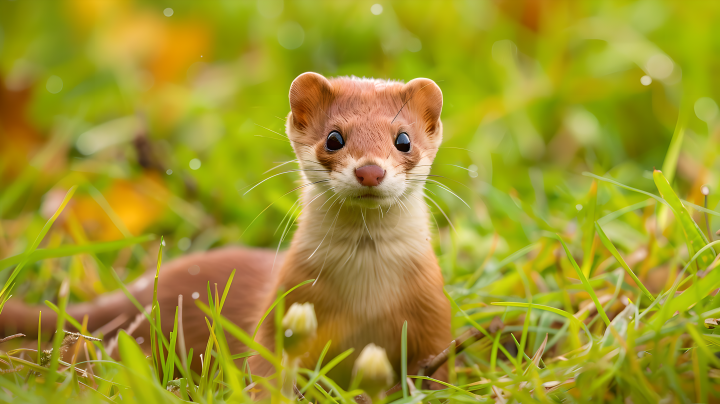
x=59, y=332
x=673, y=153
x=588, y=236
x=325, y=369
x=403, y=360
x=585, y=282
x=609, y=245
x=551, y=309
x=157, y=351
x=694, y=237
x=512, y=257
x=9, y=283
x=697, y=291
x=169, y=366
x=70, y=250
x=272, y=306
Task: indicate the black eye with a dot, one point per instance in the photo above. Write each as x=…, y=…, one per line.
x=402, y=142
x=334, y=141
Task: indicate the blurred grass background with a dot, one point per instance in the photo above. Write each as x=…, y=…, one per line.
x=115, y=93
x=163, y=113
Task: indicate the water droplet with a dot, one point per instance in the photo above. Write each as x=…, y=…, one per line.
x=578, y=207
x=706, y=109
x=195, y=295
x=583, y=125
x=168, y=172
x=195, y=164
x=141, y=284
x=184, y=243
x=270, y=8
x=139, y=340
x=168, y=12
x=414, y=44
x=504, y=51
x=288, y=333
x=659, y=66
x=472, y=171
x=291, y=35
x=194, y=270
x=54, y=84
x=646, y=80
x=376, y=9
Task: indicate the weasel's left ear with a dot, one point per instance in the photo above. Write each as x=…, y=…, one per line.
x=310, y=96
x=425, y=98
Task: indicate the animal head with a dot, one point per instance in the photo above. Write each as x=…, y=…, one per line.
x=372, y=142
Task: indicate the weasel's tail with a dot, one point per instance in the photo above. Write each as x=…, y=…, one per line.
x=106, y=313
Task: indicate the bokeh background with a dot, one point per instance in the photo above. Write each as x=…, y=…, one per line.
x=165, y=112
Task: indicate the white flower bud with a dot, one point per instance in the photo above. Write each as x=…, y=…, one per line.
x=374, y=369
x=300, y=325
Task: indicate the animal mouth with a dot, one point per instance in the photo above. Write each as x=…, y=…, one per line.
x=368, y=196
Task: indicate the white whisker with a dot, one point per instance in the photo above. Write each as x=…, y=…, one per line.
x=443, y=212
x=285, y=194
x=336, y=216
x=292, y=207
x=329, y=243
x=288, y=227
x=280, y=165
x=365, y=223
x=275, y=175
x=442, y=186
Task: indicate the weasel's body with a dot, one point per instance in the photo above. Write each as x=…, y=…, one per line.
x=365, y=148
x=252, y=285
x=368, y=299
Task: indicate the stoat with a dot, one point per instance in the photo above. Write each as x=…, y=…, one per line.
x=365, y=148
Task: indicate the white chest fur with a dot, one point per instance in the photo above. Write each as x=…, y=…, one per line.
x=364, y=257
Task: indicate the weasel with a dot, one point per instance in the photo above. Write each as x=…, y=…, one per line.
x=365, y=148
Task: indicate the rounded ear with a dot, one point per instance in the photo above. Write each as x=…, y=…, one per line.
x=310, y=96
x=424, y=96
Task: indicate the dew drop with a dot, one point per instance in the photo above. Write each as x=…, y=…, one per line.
x=291, y=35
x=184, y=243
x=54, y=84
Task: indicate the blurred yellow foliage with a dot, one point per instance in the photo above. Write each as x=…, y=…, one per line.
x=136, y=203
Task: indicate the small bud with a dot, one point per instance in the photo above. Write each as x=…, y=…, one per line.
x=374, y=370
x=300, y=326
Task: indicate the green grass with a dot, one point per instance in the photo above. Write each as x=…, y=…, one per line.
x=599, y=265
x=647, y=352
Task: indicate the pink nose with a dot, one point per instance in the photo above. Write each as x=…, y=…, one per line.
x=370, y=176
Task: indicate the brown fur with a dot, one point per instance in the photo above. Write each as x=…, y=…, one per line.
x=253, y=282
x=365, y=116
x=391, y=274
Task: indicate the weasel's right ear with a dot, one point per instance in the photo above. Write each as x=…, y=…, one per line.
x=310, y=95
x=426, y=98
